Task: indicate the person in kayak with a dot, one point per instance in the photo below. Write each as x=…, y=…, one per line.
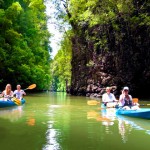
x=108, y=97
x=125, y=100
x=7, y=93
x=19, y=92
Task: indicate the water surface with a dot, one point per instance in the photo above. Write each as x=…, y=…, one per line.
x=56, y=121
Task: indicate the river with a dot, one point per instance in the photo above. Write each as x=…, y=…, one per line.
x=57, y=121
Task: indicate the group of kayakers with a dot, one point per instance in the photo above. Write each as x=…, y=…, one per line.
x=125, y=100
x=8, y=93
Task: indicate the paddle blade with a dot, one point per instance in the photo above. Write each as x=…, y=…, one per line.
x=135, y=100
x=144, y=104
x=31, y=87
x=16, y=101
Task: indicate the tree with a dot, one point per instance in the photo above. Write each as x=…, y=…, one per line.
x=61, y=65
x=25, y=51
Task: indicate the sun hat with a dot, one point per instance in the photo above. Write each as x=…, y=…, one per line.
x=125, y=88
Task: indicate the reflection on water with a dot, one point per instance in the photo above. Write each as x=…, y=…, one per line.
x=125, y=128
x=56, y=121
x=11, y=113
x=125, y=124
x=110, y=114
x=51, y=136
x=31, y=121
x=52, y=133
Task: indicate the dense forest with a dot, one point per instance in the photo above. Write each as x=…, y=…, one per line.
x=61, y=66
x=24, y=44
x=106, y=44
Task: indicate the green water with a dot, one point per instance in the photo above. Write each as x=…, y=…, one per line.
x=56, y=121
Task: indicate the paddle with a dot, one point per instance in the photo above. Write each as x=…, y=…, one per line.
x=144, y=104
x=16, y=101
x=32, y=86
x=95, y=102
x=135, y=100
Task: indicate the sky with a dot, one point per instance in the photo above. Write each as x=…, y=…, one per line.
x=57, y=36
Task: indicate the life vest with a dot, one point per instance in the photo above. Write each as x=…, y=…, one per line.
x=127, y=102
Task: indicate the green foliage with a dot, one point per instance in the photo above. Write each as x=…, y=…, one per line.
x=90, y=63
x=61, y=66
x=24, y=43
x=112, y=36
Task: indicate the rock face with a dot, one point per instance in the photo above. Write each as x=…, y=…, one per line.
x=104, y=56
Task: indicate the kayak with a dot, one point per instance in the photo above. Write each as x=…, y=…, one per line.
x=12, y=102
x=139, y=113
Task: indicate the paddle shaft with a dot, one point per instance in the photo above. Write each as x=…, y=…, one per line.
x=135, y=100
x=144, y=104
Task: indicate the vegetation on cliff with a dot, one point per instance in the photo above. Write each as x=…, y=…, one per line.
x=110, y=44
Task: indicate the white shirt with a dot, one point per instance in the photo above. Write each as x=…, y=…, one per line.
x=108, y=97
x=19, y=93
x=121, y=99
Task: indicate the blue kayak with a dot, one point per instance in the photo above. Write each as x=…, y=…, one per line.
x=139, y=113
x=13, y=102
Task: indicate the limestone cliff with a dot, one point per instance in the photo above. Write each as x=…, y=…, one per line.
x=105, y=56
